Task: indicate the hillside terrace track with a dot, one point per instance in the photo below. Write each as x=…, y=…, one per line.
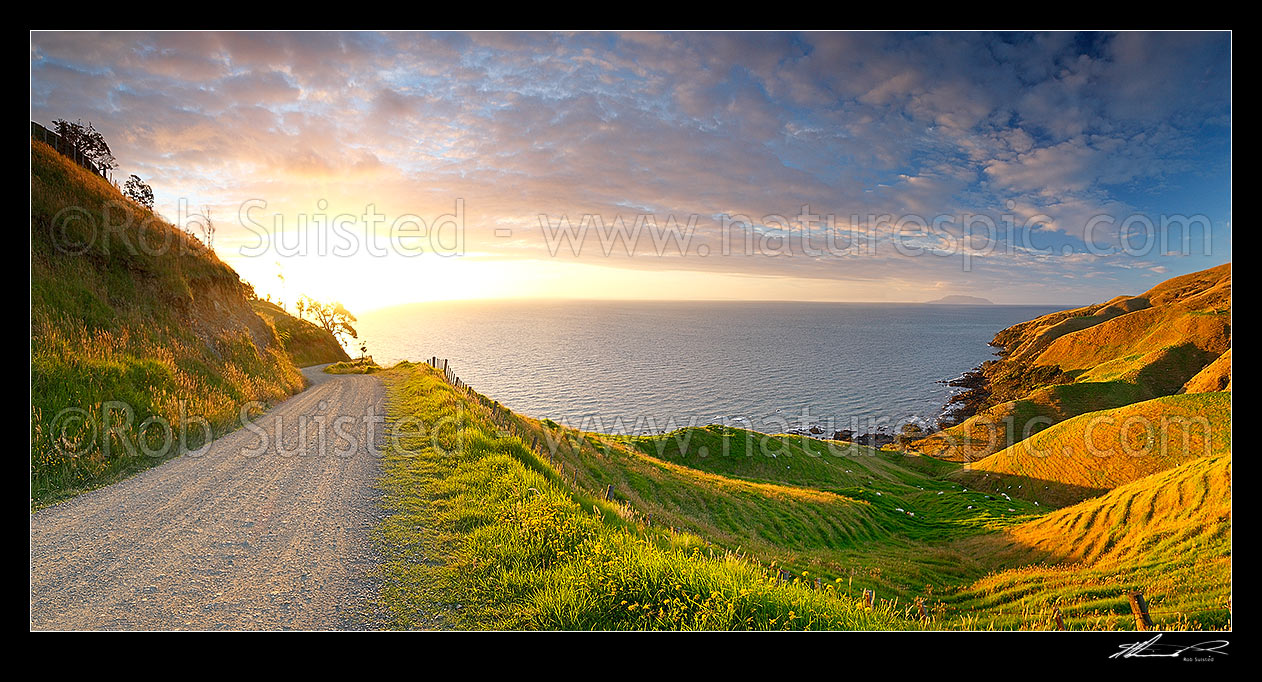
x=226, y=539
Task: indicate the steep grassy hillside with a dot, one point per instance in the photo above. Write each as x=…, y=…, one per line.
x=542, y=526
x=907, y=495
x=134, y=325
x=483, y=532
x=1168, y=535
x=304, y=342
x=1215, y=377
x=1126, y=350
x=1095, y=452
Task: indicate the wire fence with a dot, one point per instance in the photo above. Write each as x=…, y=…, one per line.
x=68, y=150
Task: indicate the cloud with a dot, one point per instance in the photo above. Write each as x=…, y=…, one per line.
x=516, y=124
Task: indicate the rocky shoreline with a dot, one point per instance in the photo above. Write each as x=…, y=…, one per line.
x=878, y=439
x=975, y=397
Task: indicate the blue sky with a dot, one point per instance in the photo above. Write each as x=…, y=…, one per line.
x=1066, y=135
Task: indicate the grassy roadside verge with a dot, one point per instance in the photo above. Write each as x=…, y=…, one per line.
x=482, y=534
x=358, y=366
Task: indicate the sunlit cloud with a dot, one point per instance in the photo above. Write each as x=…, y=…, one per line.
x=1060, y=127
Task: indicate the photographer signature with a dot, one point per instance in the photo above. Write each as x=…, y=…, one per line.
x=1151, y=649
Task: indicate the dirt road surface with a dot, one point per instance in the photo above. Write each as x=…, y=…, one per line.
x=257, y=532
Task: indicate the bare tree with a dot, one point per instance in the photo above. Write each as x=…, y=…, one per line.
x=208, y=230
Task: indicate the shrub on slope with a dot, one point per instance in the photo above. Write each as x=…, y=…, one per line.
x=304, y=342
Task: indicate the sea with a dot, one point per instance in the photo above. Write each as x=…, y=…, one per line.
x=636, y=367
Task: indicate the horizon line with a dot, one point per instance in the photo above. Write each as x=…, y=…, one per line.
x=579, y=299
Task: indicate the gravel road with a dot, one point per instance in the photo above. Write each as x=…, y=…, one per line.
x=231, y=538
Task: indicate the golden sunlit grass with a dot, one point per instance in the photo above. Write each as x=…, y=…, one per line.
x=1168, y=535
x=1099, y=357
x=484, y=533
x=136, y=323
x=1007, y=423
x=1098, y=451
x=304, y=343
x=700, y=524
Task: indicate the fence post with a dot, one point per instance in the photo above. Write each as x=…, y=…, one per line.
x=609, y=492
x=1139, y=608
x=868, y=598
x=920, y=607
x=1060, y=622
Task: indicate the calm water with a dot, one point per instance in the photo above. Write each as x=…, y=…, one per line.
x=658, y=365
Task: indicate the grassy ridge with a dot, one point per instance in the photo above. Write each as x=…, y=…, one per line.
x=517, y=530
x=871, y=518
x=1215, y=377
x=1095, y=452
x=484, y=533
x=904, y=494
x=1127, y=350
x=1168, y=534
x=131, y=320
x=304, y=343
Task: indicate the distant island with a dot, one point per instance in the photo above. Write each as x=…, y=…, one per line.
x=960, y=299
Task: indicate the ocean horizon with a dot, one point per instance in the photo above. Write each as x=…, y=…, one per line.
x=635, y=367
